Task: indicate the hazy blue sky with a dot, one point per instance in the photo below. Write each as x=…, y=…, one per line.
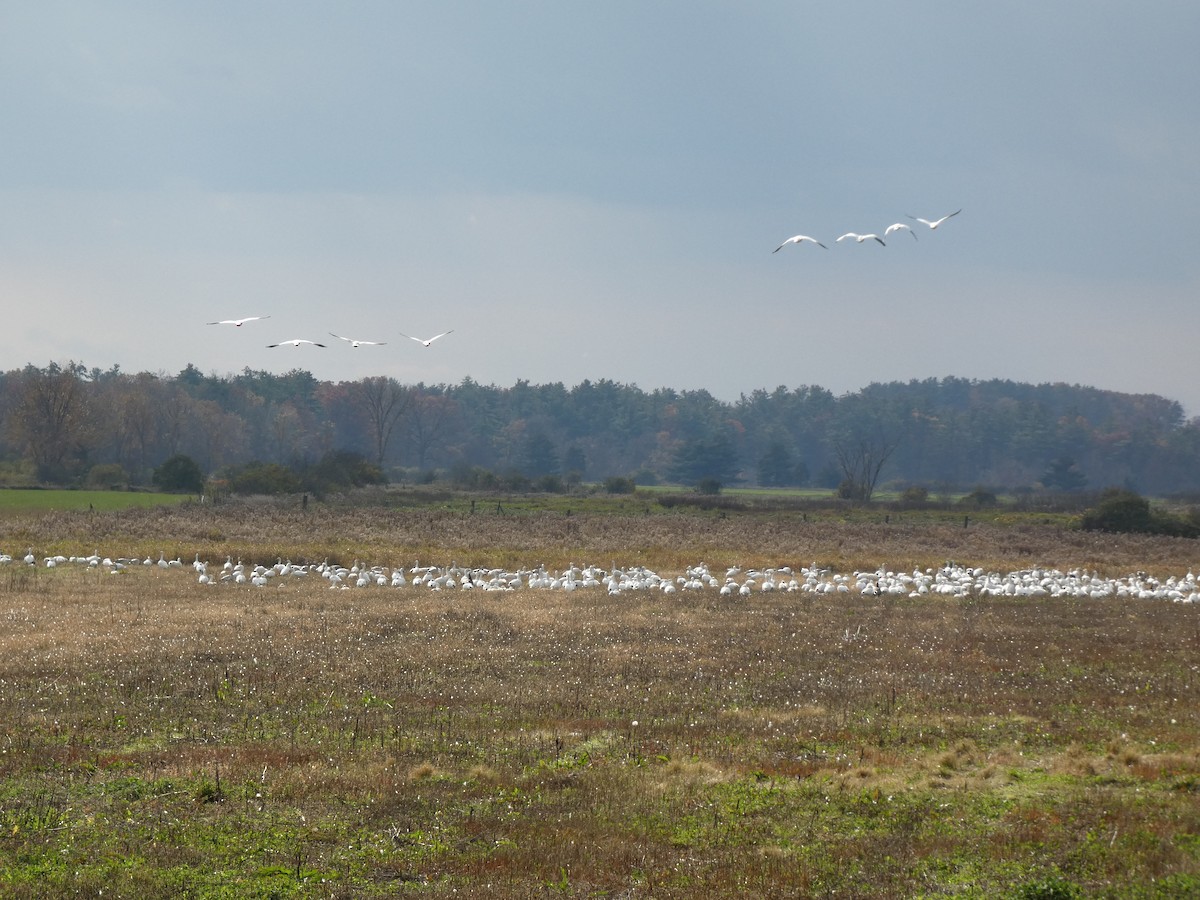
x=594, y=190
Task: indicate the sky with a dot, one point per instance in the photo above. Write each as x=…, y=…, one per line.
x=594, y=191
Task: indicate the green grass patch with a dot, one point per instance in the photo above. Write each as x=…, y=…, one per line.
x=24, y=501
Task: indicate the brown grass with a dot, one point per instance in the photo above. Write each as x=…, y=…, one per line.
x=264, y=531
x=307, y=742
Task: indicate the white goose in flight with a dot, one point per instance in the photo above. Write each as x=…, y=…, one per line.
x=799, y=239
x=936, y=222
x=861, y=237
x=353, y=343
x=900, y=226
x=238, y=322
x=296, y=342
x=425, y=342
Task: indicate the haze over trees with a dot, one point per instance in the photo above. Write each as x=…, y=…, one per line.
x=60, y=422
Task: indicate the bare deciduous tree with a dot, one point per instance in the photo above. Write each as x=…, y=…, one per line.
x=431, y=423
x=862, y=460
x=384, y=401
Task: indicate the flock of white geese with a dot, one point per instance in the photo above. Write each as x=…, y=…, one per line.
x=932, y=224
x=796, y=240
x=300, y=342
x=950, y=580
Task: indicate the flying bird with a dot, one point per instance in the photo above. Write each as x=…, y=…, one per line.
x=353, y=343
x=238, y=322
x=936, y=222
x=421, y=341
x=861, y=237
x=900, y=226
x=296, y=342
x=799, y=239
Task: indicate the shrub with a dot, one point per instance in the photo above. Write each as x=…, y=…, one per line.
x=342, y=469
x=107, y=476
x=1123, y=511
x=179, y=474
x=264, y=478
x=516, y=482
x=980, y=498
x=1119, y=510
x=619, y=485
x=468, y=477
x=848, y=489
x=550, y=484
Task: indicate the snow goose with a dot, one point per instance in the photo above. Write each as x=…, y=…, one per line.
x=237, y=323
x=422, y=340
x=799, y=239
x=296, y=342
x=861, y=237
x=899, y=226
x=355, y=343
x=936, y=222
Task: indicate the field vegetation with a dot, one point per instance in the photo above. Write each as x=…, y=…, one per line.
x=162, y=738
x=31, y=501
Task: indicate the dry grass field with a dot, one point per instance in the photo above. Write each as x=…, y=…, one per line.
x=164, y=738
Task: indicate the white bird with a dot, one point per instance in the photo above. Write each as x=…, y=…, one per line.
x=238, y=322
x=353, y=343
x=428, y=342
x=799, y=239
x=900, y=226
x=296, y=342
x=936, y=222
x=861, y=237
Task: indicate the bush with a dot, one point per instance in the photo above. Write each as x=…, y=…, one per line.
x=1119, y=511
x=179, y=474
x=342, y=469
x=550, y=484
x=107, y=477
x=1122, y=511
x=848, y=489
x=264, y=478
x=980, y=498
x=709, y=486
x=618, y=485
x=515, y=482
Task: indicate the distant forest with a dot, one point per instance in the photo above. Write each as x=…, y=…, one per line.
x=66, y=424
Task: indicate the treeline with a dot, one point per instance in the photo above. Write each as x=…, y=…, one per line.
x=66, y=424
